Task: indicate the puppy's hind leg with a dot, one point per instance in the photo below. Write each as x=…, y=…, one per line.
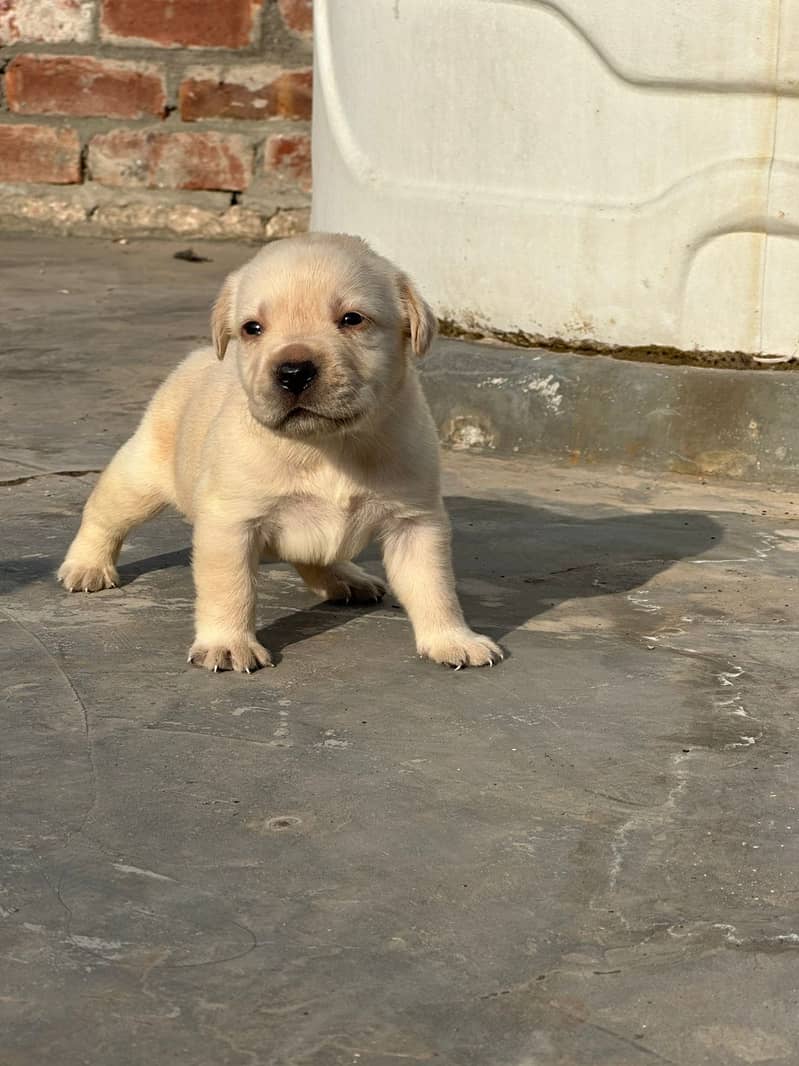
x=125, y=496
x=342, y=583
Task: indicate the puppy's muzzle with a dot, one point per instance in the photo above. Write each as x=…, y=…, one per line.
x=296, y=377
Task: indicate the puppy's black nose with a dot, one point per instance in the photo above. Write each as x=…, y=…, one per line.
x=296, y=377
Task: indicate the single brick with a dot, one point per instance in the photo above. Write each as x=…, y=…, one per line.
x=39, y=153
x=298, y=15
x=52, y=21
x=201, y=161
x=119, y=157
x=254, y=92
x=288, y=156
x=80, y=85
x=171, y=160
x=180, y=23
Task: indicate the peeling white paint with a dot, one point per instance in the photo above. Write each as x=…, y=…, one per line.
x=468, y=431
x=640, y=600
x=735, y=708
x=647, y=818
x=239, y=711
x=548, y=389
x=768, y=542
x=744, y=742
x=332, y=741
x=140, y=871
x=95, y=943
x=728, y=677
x=732, y=937
x=471, y=436
x=729, y=932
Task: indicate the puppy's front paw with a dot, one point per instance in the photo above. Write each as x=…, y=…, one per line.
x=77, y=577
x=244, y=655
x=461, y=648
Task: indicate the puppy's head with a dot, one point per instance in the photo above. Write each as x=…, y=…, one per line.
x=321, y=327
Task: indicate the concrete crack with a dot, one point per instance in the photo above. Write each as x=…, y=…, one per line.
x=46, y=473
x=647, y=818
x=84, y=719
x=227, y=958
x=770, y=175
x=216, y=736
x=626, y=1040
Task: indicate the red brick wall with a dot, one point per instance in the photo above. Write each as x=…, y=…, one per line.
x=164, y=117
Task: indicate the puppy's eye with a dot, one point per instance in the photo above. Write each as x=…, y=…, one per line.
x=352, y=318
x=252, y=329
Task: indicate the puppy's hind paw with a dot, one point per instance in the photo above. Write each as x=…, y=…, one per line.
x=244, y=656
x=76, y=577
x=343, y=583
x=461, y=648
x=357, y=588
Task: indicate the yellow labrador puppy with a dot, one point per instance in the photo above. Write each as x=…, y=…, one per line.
x=302, y=436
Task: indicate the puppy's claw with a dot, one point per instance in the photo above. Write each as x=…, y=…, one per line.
x=461, y=648
x=353, y=586
x=244, y=655
x=81, y=577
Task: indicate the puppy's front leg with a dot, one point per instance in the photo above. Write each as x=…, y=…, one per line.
x=418, y=562
x=225, y=563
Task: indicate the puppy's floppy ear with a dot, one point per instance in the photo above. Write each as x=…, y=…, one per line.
x=222, y=316
x=422, y=324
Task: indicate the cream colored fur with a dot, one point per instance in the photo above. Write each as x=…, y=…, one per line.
x=310, y=479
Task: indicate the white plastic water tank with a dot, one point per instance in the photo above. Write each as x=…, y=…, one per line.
x=589, y=170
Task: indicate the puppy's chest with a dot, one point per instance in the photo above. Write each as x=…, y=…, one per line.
x=322, y=529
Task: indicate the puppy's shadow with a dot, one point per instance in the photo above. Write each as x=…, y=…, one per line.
x=312, y=621
x=16, y=574
x=128, y=572
x=513, y=561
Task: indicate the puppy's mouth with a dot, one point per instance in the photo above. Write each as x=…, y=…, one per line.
x=305, y=421
x=302, y=416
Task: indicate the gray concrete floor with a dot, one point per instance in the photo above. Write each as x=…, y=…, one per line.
x=587, y=855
